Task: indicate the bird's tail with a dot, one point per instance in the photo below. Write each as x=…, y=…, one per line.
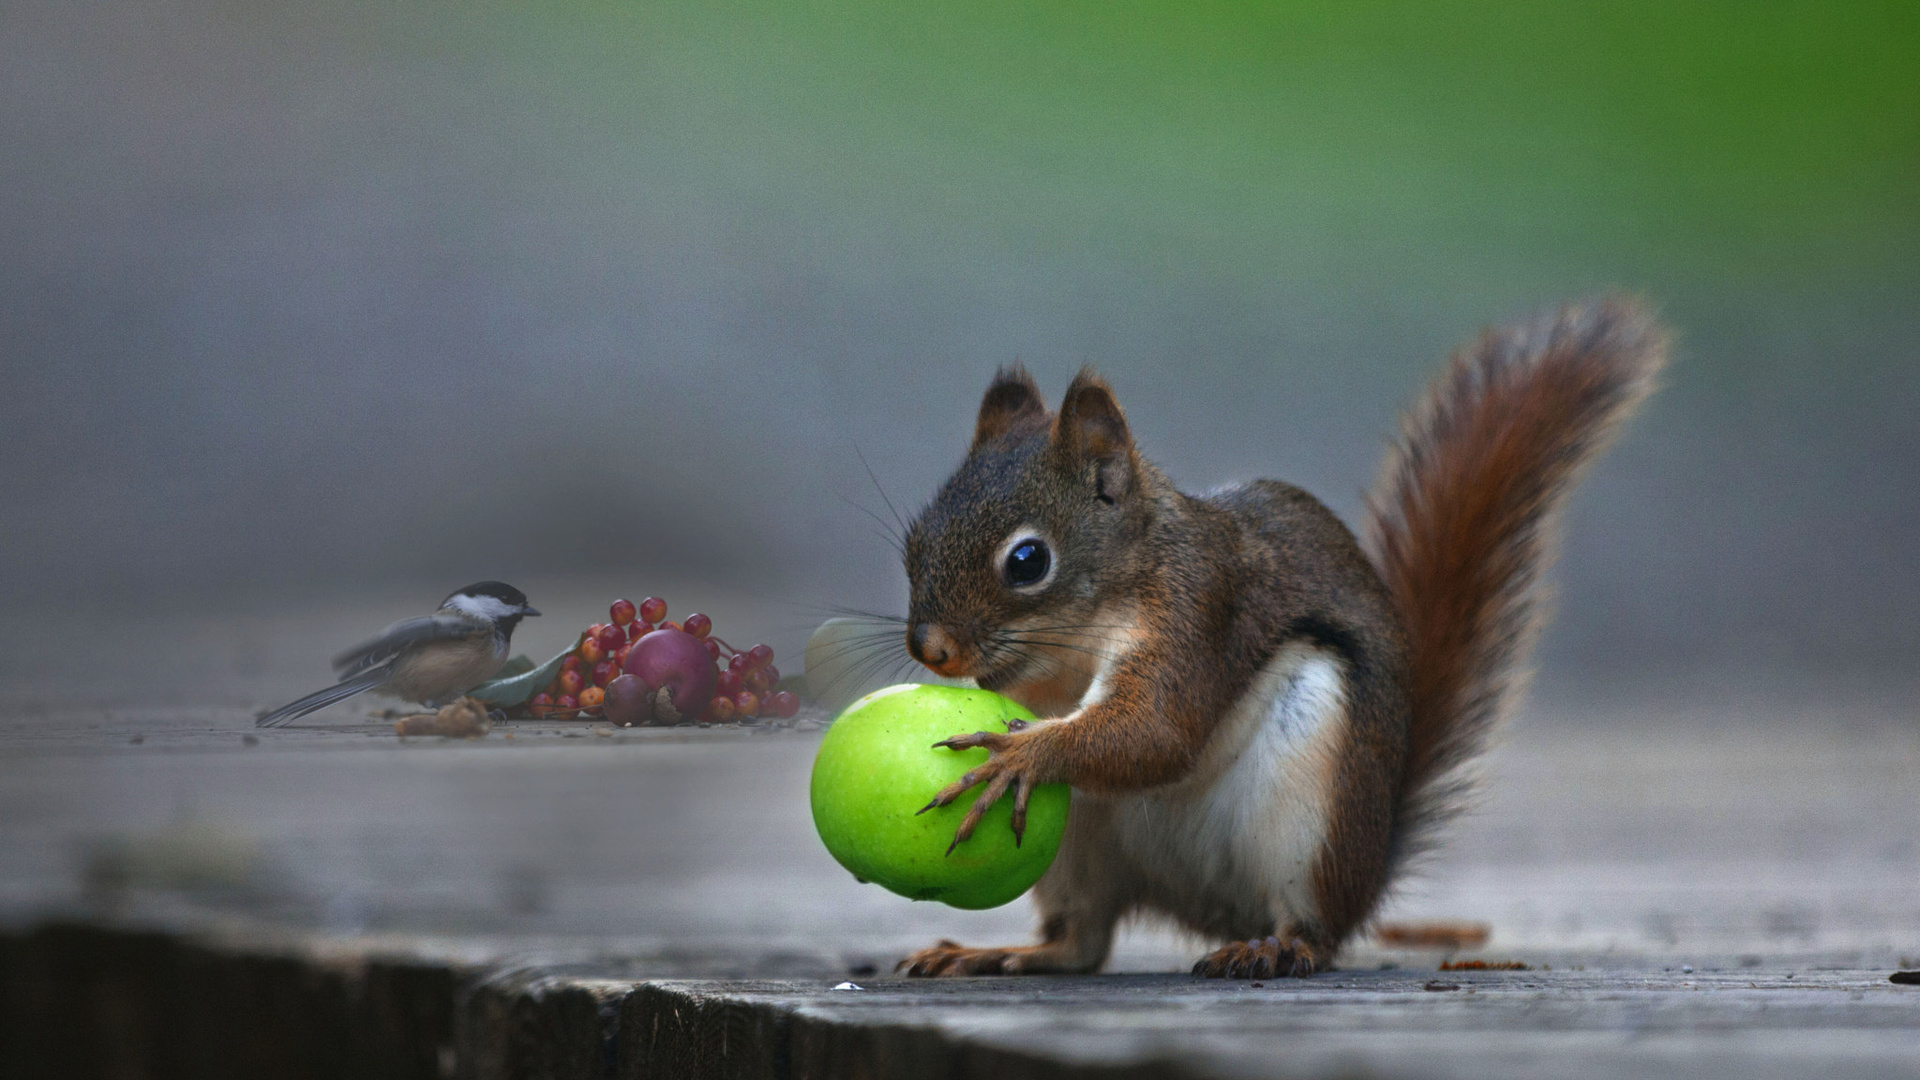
x=320, y=699
x=1460, y=524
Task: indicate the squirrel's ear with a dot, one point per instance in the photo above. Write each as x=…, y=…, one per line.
x=1013, y=398
x=1092, y=429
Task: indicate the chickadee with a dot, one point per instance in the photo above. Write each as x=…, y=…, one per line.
x=432, y=659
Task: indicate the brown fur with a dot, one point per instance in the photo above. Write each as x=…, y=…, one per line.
x=1461, y=522
x=1197, y=595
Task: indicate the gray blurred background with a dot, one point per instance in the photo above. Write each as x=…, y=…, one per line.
x=345, y=304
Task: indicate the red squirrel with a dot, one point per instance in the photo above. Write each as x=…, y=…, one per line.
x=1261, y=717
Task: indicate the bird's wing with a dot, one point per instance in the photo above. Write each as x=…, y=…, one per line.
x=398, y=638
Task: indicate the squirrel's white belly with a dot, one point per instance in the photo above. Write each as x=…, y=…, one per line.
x=1230, y=849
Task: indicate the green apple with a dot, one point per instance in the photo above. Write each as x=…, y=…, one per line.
x=878, y=766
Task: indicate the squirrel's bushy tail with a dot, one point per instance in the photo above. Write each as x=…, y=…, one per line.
x=1460, y=523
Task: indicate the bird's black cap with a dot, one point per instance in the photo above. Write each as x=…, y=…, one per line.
x=499, y=590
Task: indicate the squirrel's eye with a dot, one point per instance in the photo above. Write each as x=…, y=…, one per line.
x=1028, y=562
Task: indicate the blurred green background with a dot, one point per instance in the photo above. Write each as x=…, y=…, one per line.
x=374, y=299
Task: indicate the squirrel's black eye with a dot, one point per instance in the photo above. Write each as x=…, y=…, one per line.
x=1028, y=562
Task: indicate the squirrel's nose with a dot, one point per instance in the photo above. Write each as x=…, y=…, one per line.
x=930, y=645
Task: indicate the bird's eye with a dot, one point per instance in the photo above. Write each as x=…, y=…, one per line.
x=1028, y=562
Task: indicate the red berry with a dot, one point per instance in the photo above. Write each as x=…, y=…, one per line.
x=760, y=655
x=653, y=609
x=612, y=637
x=622, y=612
x=773, y=675
x=572, y=663
x=756, y=680
x=730, y=683
x=620, y=655
x=540, y=701
x=638, y=630
x=671, y=625
x=591, y=650
x=722, y=710
x=567, y=701
x=697, y=624
x=738, y=663
x=591, y=697
x=594, y=630
x=783, y=704
x=713, y=649
x=604, y=671
x=572, y=682
x=747, y=702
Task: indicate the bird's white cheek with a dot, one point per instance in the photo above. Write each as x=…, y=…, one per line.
x=485, y=607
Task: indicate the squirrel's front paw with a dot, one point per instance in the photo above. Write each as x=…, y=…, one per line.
x=1259, y=959
x=950, y=958
x=1012, y=762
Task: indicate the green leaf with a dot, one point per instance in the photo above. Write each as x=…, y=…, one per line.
x=514, y=689
x=519, y=665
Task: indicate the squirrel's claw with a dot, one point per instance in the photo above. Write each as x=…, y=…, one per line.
x=950, y=792
x=1022, y=792
x=994, y=789
x=992, y=740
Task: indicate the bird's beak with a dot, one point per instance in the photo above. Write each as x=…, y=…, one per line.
x=529, y=609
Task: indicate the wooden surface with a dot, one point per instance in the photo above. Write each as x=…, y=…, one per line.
x=1772, y=849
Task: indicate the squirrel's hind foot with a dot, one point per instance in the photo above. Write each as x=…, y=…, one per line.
x=1259, y=959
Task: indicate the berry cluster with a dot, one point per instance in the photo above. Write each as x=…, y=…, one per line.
x=749, y=686
x=642, y=668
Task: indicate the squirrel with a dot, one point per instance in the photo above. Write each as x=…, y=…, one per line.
x=1261, y=717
